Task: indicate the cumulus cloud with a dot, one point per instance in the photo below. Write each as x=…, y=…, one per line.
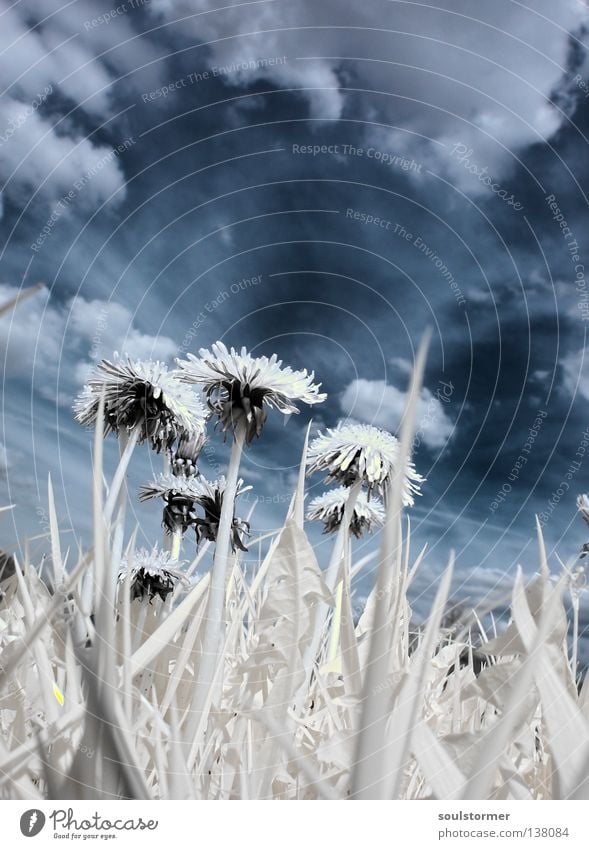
x=52, y=59
x=481, y=75
x=30, y=335
x=381, y=404
x=108, y=326
x=39, y=334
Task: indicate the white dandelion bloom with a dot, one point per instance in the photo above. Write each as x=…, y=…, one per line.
x=360, y=452
x=238, y=386
x=153, y=573
x=329, y=509
x=142, y=393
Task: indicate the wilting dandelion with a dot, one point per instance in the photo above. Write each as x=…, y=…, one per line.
x=353, y=453
x=211, y=500
x=153, y=574
x=143, y=396
x=329, y=509
x=238, y=386
x=182, y=496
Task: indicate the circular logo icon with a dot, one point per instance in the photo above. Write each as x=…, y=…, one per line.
x=32, y=822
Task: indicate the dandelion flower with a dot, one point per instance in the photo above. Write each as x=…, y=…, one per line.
x=360, y=452
x=329, y=508
x=211, y=501
x=180, y=495
x=238, y=386
x=153, y=573
x=144, y=394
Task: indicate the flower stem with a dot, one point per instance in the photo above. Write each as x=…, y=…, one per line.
x=575, y=600
x=127, y=444
x=176, y=543
x=167, y=542
x=331, y=579
x=339, y=596
x=215, y=614
x=118, y=487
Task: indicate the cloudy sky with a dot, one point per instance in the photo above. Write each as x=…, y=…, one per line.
x=321, y=180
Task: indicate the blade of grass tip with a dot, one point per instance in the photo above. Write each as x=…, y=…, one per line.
x=265, y=565
x=297, y=505
x=368, y=768
x=416, y=565
x=54, y=533
x=44, y=667
x=544, y=570
x=321, y=609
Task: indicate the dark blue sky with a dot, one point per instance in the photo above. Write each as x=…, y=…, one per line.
x=324, y=183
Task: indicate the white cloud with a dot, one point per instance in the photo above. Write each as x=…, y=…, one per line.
x=34, y=157
x=107, y=326
x=576, y=377
x=402, y=365
x=30, y=335
x=46, y=51
x=381, y=404
x=39, y=334
x=456, y=71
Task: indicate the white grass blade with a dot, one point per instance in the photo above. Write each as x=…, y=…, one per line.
x=55, y=546
x=369, y=773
